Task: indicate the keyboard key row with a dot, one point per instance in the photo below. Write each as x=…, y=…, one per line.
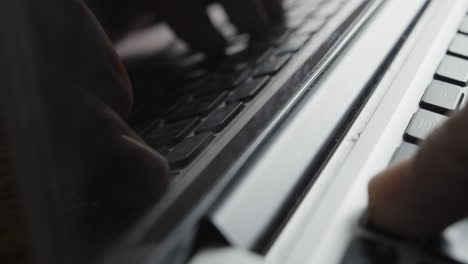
x=248, y=90
x=277, y=44
x=218, y=120
x=293, y=45
x=459, y=46
x=444, y=95
x=464, y=26
x=422, y=124
x=271, y=67
x=453, y=70
x=193, y=107
x=215, y=93
x=185, y=148
x=404, y=152
x=168, y=135
x=186, y=151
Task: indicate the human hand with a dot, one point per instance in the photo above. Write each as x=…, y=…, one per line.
x=83, y=95
x=13, y=243
x=421, y=197
x=187, y=18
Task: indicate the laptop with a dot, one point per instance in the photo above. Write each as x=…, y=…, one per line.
x=270, y=149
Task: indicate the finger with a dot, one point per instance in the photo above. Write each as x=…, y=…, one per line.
x=190, y=22
x=387, y=207
x=123, y=155
x=423, y=196
x=248, y=15
x=13, y=236
x=274, y=10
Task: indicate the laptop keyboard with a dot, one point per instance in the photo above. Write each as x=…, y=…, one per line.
x=443, y=96
x=214, y=95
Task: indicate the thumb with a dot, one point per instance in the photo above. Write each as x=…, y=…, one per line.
x=424, y=195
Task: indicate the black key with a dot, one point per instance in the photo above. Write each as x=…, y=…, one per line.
x=180, y=101
x=459, y=46
x=422, y=124
x=293, y=45
x=235, y=79
x=219, y=83
x=196, y=107
x=366, y=251
x=464, y=26
x=219, y=119
x=159, y=143
x=171, y=134
x=186, y=151
x=453, y=70
x=248, y=90
x=404, y=152
x=271, y=66
x=442, y=97
x=212, y=85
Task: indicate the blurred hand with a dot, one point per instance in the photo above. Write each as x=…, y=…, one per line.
x=88, y=95
x=14, y=247
x=187, y=18
x=422, y=196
